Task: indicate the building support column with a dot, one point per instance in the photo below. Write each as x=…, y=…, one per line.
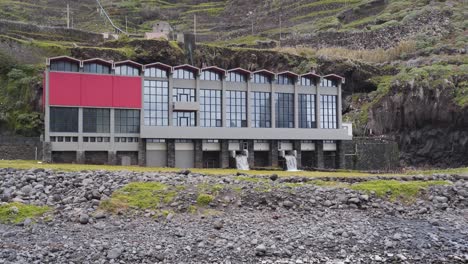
x=47, y=152
x=198, y=153
x=273, y=157
x=170, y=153
x=112, y=157
x=80, y=157
x=251, y=157
x=340, y=155
x=224, y=154
x=320, y=162
x=142, y=152
x=297, y=148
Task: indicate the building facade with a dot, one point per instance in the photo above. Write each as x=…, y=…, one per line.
x=98, y=111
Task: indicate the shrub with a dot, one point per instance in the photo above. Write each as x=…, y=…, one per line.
x=204, y=199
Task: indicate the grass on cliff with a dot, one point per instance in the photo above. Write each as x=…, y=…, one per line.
x=139, y=195
x=14, y=213
x=403, y=190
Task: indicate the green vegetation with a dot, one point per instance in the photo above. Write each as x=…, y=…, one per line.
x=25, y=164
x=204, y=199
x=14, y=213
x=17, y=97
x=139, y=195
x=406, y=191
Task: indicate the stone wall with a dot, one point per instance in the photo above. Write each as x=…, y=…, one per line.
x=12, y=148
x=371, y=154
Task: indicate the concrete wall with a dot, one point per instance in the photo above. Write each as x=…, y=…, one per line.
x=12, y=148
x=371, y=154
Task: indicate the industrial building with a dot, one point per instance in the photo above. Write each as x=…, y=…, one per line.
x=106, y=112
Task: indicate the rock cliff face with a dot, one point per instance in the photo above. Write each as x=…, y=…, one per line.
x=429, y=126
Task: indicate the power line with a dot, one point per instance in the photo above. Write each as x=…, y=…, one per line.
x=103, y=11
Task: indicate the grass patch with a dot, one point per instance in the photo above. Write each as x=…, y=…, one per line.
x=30, y=164
x=14, y=213
x=139, y=195
x=407, y=191
x=204, y=199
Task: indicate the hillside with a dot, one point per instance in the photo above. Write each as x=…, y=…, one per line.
x=406, y=62
x=317, y=23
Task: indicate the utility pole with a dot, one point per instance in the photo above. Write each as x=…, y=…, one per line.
x=195, y=27
x=251, y=15
x=68, y=15
x=281, y=29
x=126, y=24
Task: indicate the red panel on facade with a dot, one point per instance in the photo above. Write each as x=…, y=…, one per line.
x=64, y=89
x=96, y=90
x=127, y=92
x=92, y=90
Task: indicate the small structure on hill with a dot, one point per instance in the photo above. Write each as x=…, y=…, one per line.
x=161, y=29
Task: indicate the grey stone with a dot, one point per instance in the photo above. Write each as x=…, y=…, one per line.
x=84, y=219
x=441, y=199
x=274, y=177
x=288, y=204
x=354, y=200
x=218, y=225
x=114, y=253
x=260, y=250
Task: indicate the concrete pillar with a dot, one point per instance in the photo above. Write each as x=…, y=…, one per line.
x=170, y=153
x=297, y=148
x=112, y=158
x=198, y=153
x=251, y=157
x=296, y=106
x=320, y=162
x=142, y=152
x=273, y=157
x=224, y=154
x=273, y=104
x=171, y=103
x=318, y=114
x=339, y=110
x=340, y=155
x=47, y=152
x=80, y=157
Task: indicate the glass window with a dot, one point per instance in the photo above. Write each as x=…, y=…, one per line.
x=65, y=66
x=261, y=109
x=97, y=68
x=307, y=111
x=261, y=78
x=127, y=70
x=210, y=76
x=127, y=121
x=236, y=77
x=96, y=120
x=183, y=95
x=284, y=80
x=184, y=119
x=210, y=108
x=156, y=103
x=306, y=81
x=328, y=83
x=236, y=105
x=184, y=74
x=284, y=105
x=154, y=72
x=328, y=114
x=63, y=119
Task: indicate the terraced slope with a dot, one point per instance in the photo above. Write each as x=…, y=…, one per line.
x=230, y=22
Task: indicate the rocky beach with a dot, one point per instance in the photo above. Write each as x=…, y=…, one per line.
x=245, y=219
